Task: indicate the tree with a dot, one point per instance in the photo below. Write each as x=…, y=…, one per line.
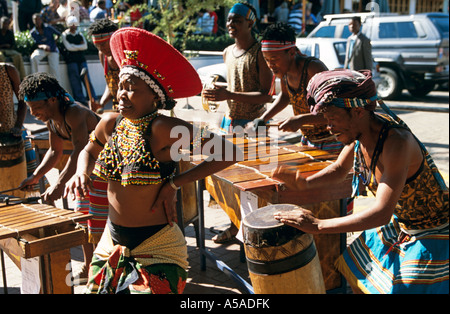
x=178, y=17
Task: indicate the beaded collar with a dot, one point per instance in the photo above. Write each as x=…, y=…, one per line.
x=127, y=157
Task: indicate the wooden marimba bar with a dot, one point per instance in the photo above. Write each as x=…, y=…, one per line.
x=44, y=231
x=252, y=174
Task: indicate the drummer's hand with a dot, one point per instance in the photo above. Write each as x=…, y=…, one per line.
x=28, y=183
x=291, y=124
x=167, y=201
x=302, y=219
x=292, y=179
x=78, y=185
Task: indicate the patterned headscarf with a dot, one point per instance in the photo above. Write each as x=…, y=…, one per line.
x=342, y=88
x=243, y=10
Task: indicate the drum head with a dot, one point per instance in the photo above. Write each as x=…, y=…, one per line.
x=261, y=229
x=262, y=218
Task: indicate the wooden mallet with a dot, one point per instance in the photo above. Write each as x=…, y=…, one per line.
x=84, y=76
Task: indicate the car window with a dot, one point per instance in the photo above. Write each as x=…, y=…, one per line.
x=340, y=51
x=305, y=49
x=346, y=32
x=397, y=30
x=326, y=31
x=441, y=24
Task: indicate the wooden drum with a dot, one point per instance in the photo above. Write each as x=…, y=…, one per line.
x=281, y=259
x=13, y=165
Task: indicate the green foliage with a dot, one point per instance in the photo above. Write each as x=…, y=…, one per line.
x=202, y=42
x=174, y=22
x=24, y=43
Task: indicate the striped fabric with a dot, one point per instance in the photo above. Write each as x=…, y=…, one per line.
x=30, y=156
x=156, y=266
x=275, y=45
x=386, y=261
x=96, y=204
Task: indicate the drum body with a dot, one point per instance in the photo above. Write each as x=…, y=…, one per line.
x=281, y=259
x=13, y=166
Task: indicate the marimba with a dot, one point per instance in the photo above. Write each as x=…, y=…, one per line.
x=44, y=231
x=252, y=175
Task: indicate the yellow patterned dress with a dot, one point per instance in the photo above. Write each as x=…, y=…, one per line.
x=242, y=76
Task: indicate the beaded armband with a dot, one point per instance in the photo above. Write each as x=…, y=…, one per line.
x=94, y=139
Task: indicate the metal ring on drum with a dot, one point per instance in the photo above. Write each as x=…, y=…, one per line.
x=281, y=259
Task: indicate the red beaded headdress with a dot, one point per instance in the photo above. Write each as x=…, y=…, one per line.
x=159, y=64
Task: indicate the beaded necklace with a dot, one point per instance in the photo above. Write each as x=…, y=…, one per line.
x=127, y=156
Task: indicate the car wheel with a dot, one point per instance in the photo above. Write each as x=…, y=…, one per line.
x=390, y=85
x=422, y=90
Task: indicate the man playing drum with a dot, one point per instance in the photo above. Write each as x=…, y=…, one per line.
x=404, y=245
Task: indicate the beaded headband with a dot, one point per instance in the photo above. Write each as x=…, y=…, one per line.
x=146, y=78
x=275, y=45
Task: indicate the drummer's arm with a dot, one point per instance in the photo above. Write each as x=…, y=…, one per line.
x=333, y=174
x=281, y=101
x=80, y=138
x=52, y=156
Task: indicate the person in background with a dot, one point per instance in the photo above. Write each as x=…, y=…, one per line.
x=43, y=36
x=281, y=13
x=294, y=71
x=249, y=80
x=50, y=16
x=214, y=19
x=63, y=9
x=3, y=8
x=99, y=12
x=79, y=11
x=101, y=32
x=26, y=10
x=76, y=45
x=358, y=55
x=7, y=45
x=403, y=247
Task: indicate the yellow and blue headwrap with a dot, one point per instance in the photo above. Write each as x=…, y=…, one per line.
x=243, y=10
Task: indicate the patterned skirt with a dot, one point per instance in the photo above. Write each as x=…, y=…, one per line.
x=96, y=204
x=156, y=266
x=385, y=260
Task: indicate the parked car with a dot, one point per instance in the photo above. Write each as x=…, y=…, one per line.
x=331, y=51
x=412, y=51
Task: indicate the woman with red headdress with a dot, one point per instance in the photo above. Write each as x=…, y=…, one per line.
x=141, y=249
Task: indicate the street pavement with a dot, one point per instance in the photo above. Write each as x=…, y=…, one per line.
x=428, y=118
